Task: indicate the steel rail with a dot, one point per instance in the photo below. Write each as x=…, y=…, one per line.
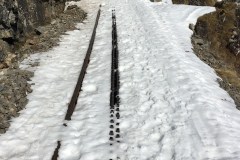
x=73, y=102
x=77, y=90
x=114, y=134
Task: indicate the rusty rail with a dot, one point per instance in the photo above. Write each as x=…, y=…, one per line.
x=77, y=90
x=73, y=102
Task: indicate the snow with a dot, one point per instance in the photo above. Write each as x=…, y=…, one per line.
x=171, y=104
x=90, y=88
x=90, y=122
x=40, y=125
x=72, y=3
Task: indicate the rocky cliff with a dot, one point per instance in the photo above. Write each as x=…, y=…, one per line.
x=27, y=27
x=216, y=41
x=195, y=2
x=202, y=2
x=18, y=18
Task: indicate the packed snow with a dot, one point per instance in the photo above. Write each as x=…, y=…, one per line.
x=171, y=104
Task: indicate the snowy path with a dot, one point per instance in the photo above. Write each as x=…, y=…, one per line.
x=34, y=135
x=171, y=104
x=87, y=136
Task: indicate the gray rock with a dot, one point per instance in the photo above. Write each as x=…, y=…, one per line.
x=12, y=18
x=191, y=26
x=6, y=34
x=219, y=4
x=235, y=33
x=13, y=97
x=1, y=88
x=2, y=131
x=198, y=41
x=232, y=40
x=39, y=30
x=4, y=125
x=53, y=22
x=72, y=7
x=201, y=29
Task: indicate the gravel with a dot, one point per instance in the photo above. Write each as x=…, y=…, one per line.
x=15, y=84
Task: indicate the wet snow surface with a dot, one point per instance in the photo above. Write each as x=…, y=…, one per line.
x=171, y=105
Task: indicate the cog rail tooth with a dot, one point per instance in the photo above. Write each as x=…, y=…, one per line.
x=115, y=85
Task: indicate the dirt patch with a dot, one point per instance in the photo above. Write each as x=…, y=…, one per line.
x=15, y=84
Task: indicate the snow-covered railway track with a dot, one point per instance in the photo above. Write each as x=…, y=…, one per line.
x=77, y=90
x=73, y=102
x=114, y=96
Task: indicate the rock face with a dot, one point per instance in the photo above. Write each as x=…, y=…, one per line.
x=221, y=29
x=195, y=2
x=203, y=2
x=216, y=41
x=38, y=30
x=234, y=41
x=14, y=89
x=219, y=33
x=19, y=17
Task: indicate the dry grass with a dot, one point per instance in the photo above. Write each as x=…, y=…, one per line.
x=217, y=28
x=230, y=75
x=219, y=31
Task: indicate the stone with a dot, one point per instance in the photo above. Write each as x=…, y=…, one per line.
x=201, y=29
x=6, y=34
x=231, y=40
x=53, y=22
x=1, y=88
x=191, y=26
x=219, y=4
x=3, y=65
x=198, y=41
x=39, y=30
x=2, y=131
x=13, y=97
x=4, y=125
x=235, y=33
x=2, y=56
x=10, y=58
x=32, y=41
x=29, y=90
x=72, y=7
x=195, y=2
x=12, y=18
x=13, y=111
